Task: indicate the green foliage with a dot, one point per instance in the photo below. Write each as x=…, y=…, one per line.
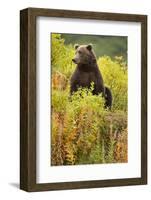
x=61, y=55
x=114, y=73
x=83, y=131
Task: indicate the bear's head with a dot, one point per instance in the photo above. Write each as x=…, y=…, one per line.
x=84, y=55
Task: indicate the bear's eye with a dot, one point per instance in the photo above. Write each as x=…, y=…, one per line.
x=80, y=52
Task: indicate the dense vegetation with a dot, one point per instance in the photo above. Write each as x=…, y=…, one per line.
x=83, y=131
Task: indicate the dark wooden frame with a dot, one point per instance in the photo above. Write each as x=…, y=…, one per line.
x=28, y=98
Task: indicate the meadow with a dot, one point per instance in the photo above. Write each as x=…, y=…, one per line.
x=83, y=131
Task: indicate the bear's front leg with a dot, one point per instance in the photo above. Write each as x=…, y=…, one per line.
x=73, y=87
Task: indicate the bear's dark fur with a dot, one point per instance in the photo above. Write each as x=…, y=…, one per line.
x=86, y=72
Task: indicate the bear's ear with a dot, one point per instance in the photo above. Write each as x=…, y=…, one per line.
x=76, y=46
x=89, y=47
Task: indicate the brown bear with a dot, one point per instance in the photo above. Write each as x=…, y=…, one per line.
x=87, y=71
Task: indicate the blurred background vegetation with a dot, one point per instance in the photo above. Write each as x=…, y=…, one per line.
x=83, y=131
x=103, y=45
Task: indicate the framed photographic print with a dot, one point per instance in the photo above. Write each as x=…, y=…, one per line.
x=83, y=99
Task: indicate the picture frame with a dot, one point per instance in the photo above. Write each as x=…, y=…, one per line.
x=28, y=98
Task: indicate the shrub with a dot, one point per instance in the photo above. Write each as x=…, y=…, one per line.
x=114, y=73
x=83, y=132
x=61, y=56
